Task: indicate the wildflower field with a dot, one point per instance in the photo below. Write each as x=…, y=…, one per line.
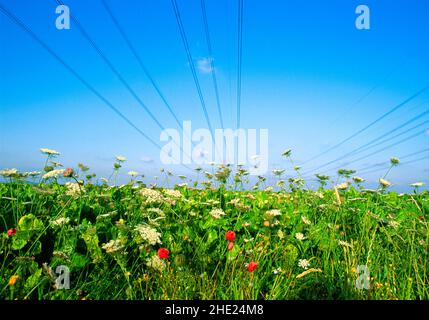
x=209, y=239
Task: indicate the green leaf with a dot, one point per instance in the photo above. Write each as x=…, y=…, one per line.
x=79, y=261
x=36, y=248
x=212, y=236
x=233, y=253
x=29, y=223
x=33, y=280
x=18, y=243
x=91, y=240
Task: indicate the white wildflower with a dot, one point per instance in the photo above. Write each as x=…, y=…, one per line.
x=121, y=158
x=106, y=215
x=53, y=174
x=49, y=152
x=133, y=173
x=155, y=263
x=278, y=172
x=273, y=213
x=217, y=213
x=305, y=220
x=393, y=224
x=277, y=270
x=280, y=234
x=60, y=221
x=148, y=234
x=72, y=189
x=299, y=236
x=8, y=172
x=342, y=186
x=113, y=246
x=175, y=194
x=417, y=184
x=152, y=195
x=32, y=173
x=303, y=263
x=358, y=179
x=385, y=183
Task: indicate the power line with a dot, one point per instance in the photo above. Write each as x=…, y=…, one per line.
x=18, y=22
x=114, y=70
x=387, y=147
x=211, y=60
x=28, y=30
x=395, y=136
x=366, y=145
x=365, y=170
x=139, y=60
x=362, y=98
x=239, y=59
x=371, y=144
x=404, y=163
x=191, y=61
x=395, y=108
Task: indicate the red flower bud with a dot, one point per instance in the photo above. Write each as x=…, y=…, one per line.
x=163, y=253
x=252, y=266
x=230, y=235
x=68, y=172
x=11, y=232
x=230, y=245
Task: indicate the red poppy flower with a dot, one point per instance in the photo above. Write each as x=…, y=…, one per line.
x=11, y=232
x=230, y=245
x=163, y=253
x=252, y=266
x=230, y=235
x=422, y=218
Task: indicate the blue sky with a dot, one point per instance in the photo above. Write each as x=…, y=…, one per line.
x=305, y=71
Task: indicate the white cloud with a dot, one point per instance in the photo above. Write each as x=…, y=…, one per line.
x=146, y=159
x=204, y=65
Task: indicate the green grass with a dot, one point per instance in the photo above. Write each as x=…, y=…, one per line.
x=341, y=229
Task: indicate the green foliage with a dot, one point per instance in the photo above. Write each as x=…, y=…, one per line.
x=307, y=244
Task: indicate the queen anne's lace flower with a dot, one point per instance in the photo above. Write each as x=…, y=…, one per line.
x=151, y=195
x=8, y=172
x=175, y=194
x=299, y=236
x=273, y=213
x=53, y=174
x=148, y=234
x=217, y=213
x=156, y=263
x=60, y=221
x=305, y=220
x=113, y=246
x=49, y=152
x=157, y=211
x=72, y=189
x=303, y=263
